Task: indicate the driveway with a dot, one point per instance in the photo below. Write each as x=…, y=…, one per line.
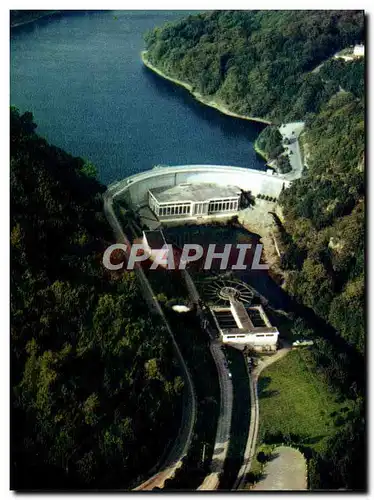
x=292, y=131
x=255, y=415
x=287, y=470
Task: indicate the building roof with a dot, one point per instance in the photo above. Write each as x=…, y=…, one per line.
x=155, y=239
x=194, y=193
x=237, y=318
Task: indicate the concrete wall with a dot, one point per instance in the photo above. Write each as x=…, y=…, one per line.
x=135, y=188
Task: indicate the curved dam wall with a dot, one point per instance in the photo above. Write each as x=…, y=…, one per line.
x=135, y=188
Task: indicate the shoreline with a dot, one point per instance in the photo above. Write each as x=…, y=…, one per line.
x=264, y=230
x=199, y=97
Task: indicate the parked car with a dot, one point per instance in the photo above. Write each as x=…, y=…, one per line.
x=303, y=342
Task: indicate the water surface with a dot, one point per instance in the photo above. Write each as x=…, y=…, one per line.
x=82, y=77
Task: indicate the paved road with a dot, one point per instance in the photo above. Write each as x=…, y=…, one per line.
x=254, y=416
x=222, y=440
x=286, y=471
x=221, y=445
x=182, y=443
x=295, y=158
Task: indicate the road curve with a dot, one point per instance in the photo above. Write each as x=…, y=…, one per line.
x=255, y=416
x=183, y=440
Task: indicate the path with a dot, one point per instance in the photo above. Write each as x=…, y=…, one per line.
x=221, y=445
x=254, y=416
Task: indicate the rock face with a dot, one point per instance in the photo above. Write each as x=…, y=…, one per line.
x=286, y=471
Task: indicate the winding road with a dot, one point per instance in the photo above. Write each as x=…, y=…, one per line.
x=221, y=445
x=292, y=131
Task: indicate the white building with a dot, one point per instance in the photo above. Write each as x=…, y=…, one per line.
x=247, y=326
x=359, y=51
x=351, y=55
x=192, y=201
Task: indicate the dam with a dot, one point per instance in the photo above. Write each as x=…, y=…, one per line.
x=136, y=188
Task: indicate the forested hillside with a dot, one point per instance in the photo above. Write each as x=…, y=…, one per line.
x=95, y=390
x=279, y=66
x=324, y=220
x=325, y=216
x=258, y=63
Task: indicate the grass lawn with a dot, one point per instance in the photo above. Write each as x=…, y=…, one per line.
x=296, y=404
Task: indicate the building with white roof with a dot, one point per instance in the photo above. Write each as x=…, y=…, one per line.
x=250, y=326
x=191, y=201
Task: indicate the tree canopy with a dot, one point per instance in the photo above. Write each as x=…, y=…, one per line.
x=258, y=63
x=95, y=389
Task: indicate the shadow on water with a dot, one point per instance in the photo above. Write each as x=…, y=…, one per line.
x=56, y=17
x=230, y=126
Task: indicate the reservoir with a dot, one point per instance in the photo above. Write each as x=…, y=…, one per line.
x=81, y=75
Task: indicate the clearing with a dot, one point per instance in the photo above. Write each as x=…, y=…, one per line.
x=296, y=405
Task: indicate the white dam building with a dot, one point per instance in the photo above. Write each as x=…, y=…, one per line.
x=186, y=200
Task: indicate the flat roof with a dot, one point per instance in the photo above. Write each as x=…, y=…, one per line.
x=241, y=314
x=194, y=192
x=253, y=319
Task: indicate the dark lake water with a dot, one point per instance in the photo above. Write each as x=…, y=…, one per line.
x=82, y=77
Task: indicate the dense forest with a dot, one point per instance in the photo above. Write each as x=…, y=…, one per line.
x=325, y=216
x=259, y=63
x=279, y=66
x=95, y=390
x=270, y=142
x=324, y=223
